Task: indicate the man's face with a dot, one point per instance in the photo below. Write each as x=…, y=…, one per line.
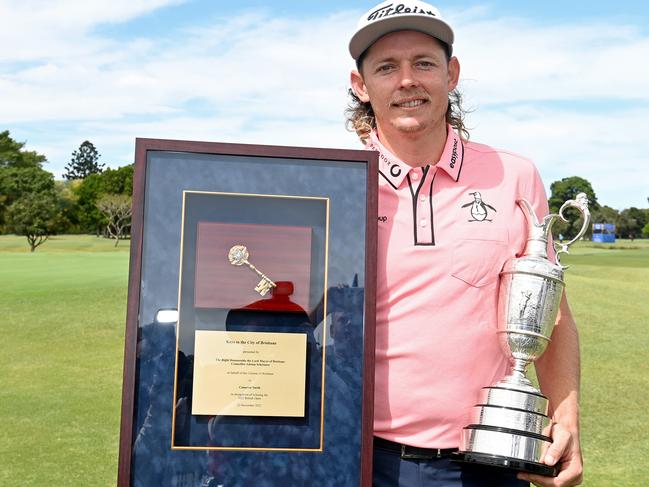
x=406, y=77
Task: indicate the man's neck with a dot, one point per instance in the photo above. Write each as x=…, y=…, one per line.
x=415, y=149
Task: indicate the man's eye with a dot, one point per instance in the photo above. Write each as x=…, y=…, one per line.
x=384, y=68
x=425, y=64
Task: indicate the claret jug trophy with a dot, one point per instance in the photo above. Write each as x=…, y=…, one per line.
x=509, y=426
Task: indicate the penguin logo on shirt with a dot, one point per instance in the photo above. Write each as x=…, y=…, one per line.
x=479, y=209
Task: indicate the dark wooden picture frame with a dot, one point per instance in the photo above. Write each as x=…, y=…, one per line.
x=276, y=162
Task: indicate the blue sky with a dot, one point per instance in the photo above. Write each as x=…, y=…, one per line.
x=564, y=83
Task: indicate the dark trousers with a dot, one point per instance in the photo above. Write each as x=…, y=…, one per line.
x=390, y=470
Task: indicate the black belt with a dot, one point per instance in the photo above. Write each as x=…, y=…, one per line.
x=413, y=452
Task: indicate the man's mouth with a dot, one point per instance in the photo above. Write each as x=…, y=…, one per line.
x=410, y=103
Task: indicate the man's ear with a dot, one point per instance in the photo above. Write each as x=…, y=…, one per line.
x=358, y=85
x=453, y=73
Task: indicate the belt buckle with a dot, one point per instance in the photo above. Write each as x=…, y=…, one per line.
x=418, y=456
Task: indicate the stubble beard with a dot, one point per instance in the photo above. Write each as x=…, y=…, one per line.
x=411, y=128
x=416, y=127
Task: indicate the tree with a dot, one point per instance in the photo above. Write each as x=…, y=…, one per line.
x=34, y=216
x=568, y=189
x=90, y=190
x=68, y=221
x=605, y=214
x=18, y=181
x=117, y=210
x=118, y=181
x=84, y=162
x=631, y=222
x=88, y=193
x=12, y=153
x=20, y=172
x=645, y=231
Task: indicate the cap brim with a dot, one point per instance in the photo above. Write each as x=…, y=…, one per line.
x=369, y=34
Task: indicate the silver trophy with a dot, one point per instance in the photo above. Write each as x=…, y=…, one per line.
x=509, y=426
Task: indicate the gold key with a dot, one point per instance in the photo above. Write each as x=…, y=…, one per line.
x=238, y=256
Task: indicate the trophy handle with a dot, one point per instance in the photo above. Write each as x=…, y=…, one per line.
x=581, y=203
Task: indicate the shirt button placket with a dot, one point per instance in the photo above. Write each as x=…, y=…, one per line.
x=421, y=208
x=423, y=212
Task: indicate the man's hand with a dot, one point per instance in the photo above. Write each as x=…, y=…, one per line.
x=564, y=450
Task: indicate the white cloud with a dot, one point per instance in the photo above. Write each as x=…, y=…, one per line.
x=609, y=150
x=259, y=79
x=573, y=97
x=66, y=13
x=42, y=30
x=512, y=60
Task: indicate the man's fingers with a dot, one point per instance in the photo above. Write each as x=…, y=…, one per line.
x=569, y=475
x=538, y=480
x=564, y=449
x=560, y=441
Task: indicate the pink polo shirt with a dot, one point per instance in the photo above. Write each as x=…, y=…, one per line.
x=445, y=231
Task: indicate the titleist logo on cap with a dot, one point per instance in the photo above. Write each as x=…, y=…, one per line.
x=389, y=10
x=395, y=15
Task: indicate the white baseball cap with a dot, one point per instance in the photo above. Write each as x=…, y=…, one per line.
x=390, y=16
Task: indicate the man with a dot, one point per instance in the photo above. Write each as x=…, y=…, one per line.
x=448, y=222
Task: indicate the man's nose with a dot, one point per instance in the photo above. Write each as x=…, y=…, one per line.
x=408, y=77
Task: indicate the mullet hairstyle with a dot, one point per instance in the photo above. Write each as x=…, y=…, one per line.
x=359, y=115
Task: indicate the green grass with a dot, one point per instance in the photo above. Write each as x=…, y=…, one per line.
x=608, y=289
x=62, y=331
x=63, y=243
x=62, y=328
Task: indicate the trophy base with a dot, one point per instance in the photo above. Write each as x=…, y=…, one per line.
x=508, y=428
x=514, y=464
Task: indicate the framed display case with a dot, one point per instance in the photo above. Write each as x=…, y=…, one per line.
x=249, y=353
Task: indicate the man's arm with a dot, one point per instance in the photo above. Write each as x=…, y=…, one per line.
x=558, y=370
